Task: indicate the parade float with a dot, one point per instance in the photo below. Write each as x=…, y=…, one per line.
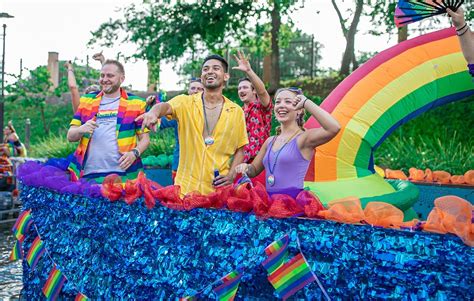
x=356, y=240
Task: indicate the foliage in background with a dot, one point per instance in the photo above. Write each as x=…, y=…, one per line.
x=442, y=138
x=52, y=146
x=32, y=92
x=162, y=142
x=85, y=76
x=57, y=116
x=167, y=30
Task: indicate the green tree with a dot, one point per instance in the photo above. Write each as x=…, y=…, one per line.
x=166, y=31
x=349, y=30
x=33, y=91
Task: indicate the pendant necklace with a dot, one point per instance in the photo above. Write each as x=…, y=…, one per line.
x=271, y=178
x=209, y=140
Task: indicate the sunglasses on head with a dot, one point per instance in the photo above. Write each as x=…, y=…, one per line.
x=296, y=90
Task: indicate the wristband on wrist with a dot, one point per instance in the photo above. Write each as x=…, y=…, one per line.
x=460, y=34
x=462, y=27
x=304, y=102
x=136, y=153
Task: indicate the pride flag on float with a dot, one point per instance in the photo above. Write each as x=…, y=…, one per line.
x=287, y=277
x=291, y=277
x=228, y=289
x=17, y=251
x=22, y=224
x=35, y=252
x=80, y=297
x=277, y=253
x=54, y=284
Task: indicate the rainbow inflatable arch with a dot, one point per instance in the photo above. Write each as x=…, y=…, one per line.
x=393, y=87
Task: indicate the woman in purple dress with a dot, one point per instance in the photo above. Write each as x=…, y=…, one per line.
x=286, y=156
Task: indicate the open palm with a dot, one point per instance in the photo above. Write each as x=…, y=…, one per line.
x=242, y=61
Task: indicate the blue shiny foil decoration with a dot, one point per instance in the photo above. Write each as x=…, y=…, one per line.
x=116, y=251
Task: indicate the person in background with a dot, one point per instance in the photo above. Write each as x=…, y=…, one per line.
x=12, y=146
x=286, y=156
x=257, y=107
x=72, y=84
x=465, y=35
x=195, y=86
x=211, y=131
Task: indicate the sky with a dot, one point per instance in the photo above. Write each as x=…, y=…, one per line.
x=65, y=26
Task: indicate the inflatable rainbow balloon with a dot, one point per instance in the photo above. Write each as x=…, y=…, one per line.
x=393, y=87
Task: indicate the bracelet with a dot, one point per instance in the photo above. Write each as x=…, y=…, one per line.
x=304, y=102
x=136, y=152
x=460, y=34
x=462, y=27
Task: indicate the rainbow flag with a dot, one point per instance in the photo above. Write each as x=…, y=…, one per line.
x=188, y=298
x=227, y=290
x=277, y=253
x=35, y=252
x=54, y=284
x=17, y=251
x=80, y=297
x=291, y=277
x=22, y=224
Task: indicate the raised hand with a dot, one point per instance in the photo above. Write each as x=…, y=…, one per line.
x=68, y=65
x=99, y=57
x=299, y=101
x=242, y=61
x=457, y=17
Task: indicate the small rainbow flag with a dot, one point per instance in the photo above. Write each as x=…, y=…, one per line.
x=277, y=253
x=35, y=252
x=54, y=284
x=227, y=290
x=291, y=277
x=22, y=224
x=17, y=251
x=80, y=297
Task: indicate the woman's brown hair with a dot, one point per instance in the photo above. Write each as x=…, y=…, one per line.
x=300, y=116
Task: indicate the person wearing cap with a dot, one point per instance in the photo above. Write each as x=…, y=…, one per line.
x=211, y=131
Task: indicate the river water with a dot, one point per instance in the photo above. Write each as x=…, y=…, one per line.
x=10, y=272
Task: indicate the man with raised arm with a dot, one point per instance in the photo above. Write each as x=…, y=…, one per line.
x=257, y=107
x=211, y=131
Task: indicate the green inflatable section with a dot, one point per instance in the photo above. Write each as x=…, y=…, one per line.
x=401, y=194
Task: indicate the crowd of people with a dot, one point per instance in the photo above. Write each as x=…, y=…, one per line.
x=216, y=140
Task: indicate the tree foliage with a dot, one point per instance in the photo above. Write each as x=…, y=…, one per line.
x=166, y=30
x=33, y=91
